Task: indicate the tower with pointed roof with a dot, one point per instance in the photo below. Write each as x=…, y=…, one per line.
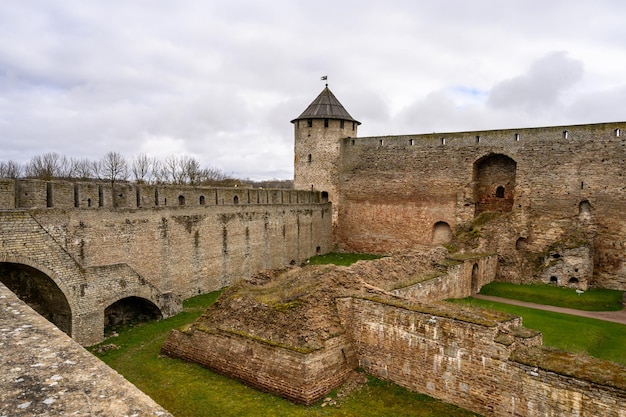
x=318, y=133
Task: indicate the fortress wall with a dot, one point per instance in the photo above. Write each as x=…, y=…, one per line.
x=7, y=193
x=470, y=364
x=459, y=281
x=191, y=250
x=393, y=192
x=300, y=377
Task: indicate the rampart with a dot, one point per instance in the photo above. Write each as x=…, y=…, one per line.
x=555, y=188
x=45, y=372
x=101, y=244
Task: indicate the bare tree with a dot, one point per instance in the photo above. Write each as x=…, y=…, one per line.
x=191, y=170
x=81, y=168
x=141, y=167
x=114, y=167
x=45, y=167
x=174, y=166
x=10, y=169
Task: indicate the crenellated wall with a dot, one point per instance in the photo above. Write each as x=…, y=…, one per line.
x=181, y=242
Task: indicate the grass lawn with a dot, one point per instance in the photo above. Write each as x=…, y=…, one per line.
x=592, y=300
x=601, y=339
x=187, y=389
x=342, y=259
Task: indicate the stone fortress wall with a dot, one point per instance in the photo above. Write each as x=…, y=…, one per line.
x=558, y=192
x=97, y=244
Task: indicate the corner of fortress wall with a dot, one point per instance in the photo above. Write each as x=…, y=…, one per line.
x=45, y=372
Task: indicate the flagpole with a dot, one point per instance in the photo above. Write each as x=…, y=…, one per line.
x=325, y=78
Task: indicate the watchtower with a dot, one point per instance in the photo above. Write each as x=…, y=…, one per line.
x=318, y=133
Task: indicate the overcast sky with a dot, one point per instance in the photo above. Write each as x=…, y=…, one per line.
x=220, y=80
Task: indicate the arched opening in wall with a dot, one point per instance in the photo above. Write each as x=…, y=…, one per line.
x=521, y=243
x=89, y=202
x=584, y=210
x=40, y=292
x=236, y=199
x=441, y=233
x=573, y=281
x=181, y=200
x=475, y=278
x=130, y=310
x=202, y=200
x=494, y=172
x=554, y=280
x=324, y=196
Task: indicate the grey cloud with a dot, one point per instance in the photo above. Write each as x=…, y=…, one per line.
x=541, y=87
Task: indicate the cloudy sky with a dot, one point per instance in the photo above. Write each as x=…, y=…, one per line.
x=220, y=80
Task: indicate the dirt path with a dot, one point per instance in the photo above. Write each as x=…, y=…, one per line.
x=614, y=316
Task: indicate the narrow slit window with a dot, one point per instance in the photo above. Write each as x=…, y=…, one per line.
x=517, y=137
x=617, y=133
x=500, y=192
x=477, y=139
x=341, y=123
x=443, y=141
x=565, y=134
x=309, y=158
x=309, y=122
x=380, y=142
x=325, y=122
x=411, y=142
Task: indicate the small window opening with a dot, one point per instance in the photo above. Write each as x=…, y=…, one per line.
x=309, y=122
x=582, y=185
x=556, y=255
x=411, y=142
x=477, y=139
x=617, y=133
x=573, y=280
x=380, y=142
x=443, y=141
x=565, y=134
x=325, y=122
x=352, y=125
x=517, y=137
x=89, y=202
x=202, y=200
x=500, y=192
x=341, y=122
x=554, y=280
x=309, y=158
x=49, y=198
x=181, y=200
x=318, y=249
x=236, y=199
x=100, y=196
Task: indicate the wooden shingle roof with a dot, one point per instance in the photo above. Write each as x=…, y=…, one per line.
x=326, y=106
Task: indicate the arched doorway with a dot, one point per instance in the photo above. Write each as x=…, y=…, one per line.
x=475, y=279
x=441, y=233
x=494, y=183
x=130, y=310
x=39, y=291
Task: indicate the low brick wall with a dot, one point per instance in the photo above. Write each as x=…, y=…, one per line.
x=300, y=377
x=45, y=372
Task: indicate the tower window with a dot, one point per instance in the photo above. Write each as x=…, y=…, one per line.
x=352, y=125
x=341, y=124
x=309, y=122
x=500, y=192
x=325, y=122
x=443, y=141
x=517, y=137
x=380, y=142
x=411, y=142
x=617, y=133
x=565, y=134
x=353, y=142
x=477, y=139
x=309, y=158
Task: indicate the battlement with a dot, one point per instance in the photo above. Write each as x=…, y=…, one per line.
x=609, y=132
x=38, y=194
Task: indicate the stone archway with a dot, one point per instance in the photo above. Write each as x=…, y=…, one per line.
x=494, y=183
x=39, y=291
x=130, y=310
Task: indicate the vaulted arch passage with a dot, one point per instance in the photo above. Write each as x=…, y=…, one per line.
x=39, y=291
x=494, y=183
x=130, y=310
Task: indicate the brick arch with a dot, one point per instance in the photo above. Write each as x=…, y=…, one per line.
x=131, y=309
x=494, y=183
x=40, y=288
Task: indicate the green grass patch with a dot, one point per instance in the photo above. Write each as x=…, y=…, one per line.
x=592, y=300
x=341, y=259
x=189, y=390
x=597, y=338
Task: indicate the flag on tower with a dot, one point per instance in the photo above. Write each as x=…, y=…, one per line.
x=324, y=77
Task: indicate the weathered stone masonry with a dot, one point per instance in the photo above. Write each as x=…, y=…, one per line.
x=100, y=243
